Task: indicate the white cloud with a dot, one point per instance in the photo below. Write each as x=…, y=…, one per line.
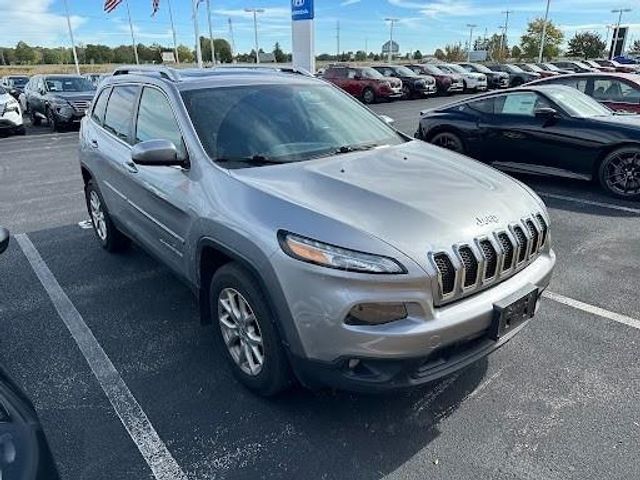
x=33, y=22
x=349, y=2
x=269, y=13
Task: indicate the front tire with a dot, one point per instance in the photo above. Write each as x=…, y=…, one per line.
x=111, y=239
x=52, y=121
x=619, y=173
x=246, y=331
x=35, y=119
x=448, y=140
x=406, y=92
x=368, y=96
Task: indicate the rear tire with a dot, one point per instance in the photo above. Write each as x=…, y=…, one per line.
x=406, y=92
x=20, y=130
x=246, y=331
x=517, y=82
x=368, y=96
x=111, y=239
x=619, y=173
x=448, y=140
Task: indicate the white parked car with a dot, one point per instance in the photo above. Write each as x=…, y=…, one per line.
x=10, y=113
x=472, y=80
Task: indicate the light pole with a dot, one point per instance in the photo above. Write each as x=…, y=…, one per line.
x=544, y=32
x=391, y=21
x=470, y=26
x=73, y=43
x=196, y=31
x=255, y=12
x=504, y=27
x=616, y=32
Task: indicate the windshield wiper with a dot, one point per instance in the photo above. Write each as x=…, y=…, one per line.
x=257, y=159
x=358, y=147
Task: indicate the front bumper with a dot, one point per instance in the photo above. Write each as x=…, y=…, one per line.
x=427, y=90
x=456, y=87
x=499, y=82
x=431, y=342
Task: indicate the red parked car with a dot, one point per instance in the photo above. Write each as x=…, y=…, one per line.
x=618, y=91
x=364, y=83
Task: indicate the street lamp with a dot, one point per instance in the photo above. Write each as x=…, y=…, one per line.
x=470, y=26
x=544, y=32
x=619, y=11
x=255, y=12
x=391, y=21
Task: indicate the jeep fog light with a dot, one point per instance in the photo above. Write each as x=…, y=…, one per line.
x=376, y=313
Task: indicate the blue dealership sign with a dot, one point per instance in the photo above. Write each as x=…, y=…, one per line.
x=302, y=10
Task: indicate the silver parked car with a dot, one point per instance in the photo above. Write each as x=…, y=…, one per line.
x=323, y=244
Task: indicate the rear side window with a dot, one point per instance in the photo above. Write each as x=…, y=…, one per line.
x=156, y=120
x=485, y=105
x=119, y=112
x=100, y=106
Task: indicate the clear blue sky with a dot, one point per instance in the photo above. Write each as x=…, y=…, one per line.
x=424, y=24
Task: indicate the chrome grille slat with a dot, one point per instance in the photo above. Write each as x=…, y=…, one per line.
x=467, y=268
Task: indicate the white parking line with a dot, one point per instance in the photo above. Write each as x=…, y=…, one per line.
x=134, y=419
x=585, y=307
x=612, y=206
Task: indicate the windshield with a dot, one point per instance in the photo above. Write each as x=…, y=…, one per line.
x=551, y=67
x=19, y=81
x=405, y=72
x=282, y=123
x=68, y=84
x=533, y=67
x=576, y=103
x=513, y=69
x=582, y=64
x=432, y=69
x=482, y=68
x=369, y=72
x=456, y=68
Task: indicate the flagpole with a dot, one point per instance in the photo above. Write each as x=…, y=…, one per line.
x=173, y=31
x=133, y=38
x=194, y=6
x=233, y=42
x=73, y=43
x=213, y=47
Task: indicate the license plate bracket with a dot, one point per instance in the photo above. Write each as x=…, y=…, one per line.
x=514, y=310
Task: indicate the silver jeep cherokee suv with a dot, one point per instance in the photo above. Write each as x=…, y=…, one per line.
x=325, y=245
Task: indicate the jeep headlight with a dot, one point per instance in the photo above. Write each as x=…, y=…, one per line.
x=12, y=106
x=331, y=256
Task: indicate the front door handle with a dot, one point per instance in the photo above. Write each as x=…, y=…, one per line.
x=94, y=143
x=131, y=167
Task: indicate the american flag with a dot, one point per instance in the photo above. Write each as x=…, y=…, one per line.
x=156, y=6
x=110, y=5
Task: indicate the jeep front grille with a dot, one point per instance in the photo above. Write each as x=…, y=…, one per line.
x=470, y=267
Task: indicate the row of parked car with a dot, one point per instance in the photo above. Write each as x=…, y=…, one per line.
x=62, y=100
x=390, y=82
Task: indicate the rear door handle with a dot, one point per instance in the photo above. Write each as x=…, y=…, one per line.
x=131, y=167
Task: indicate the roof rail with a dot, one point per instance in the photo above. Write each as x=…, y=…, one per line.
x=165, y=72
x=258, y=67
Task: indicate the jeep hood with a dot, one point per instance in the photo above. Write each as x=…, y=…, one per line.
x=414, y=196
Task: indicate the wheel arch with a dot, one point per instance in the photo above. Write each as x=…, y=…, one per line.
x=605, y=152
x=212, y=254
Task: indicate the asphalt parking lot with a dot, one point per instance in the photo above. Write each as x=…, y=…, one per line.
x=560, y=401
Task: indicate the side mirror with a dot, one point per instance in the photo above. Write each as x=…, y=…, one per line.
x=546, y=113
x=357, y=77
x=4, y=239
x=158, y=153
x=388, y=120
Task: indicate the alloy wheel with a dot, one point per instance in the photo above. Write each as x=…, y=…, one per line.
x=241, y=331
x=622, y=173
x=368, y=96
x=448, y=141
x=97, y=215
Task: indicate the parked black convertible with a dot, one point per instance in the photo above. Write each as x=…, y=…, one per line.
x=550, y=129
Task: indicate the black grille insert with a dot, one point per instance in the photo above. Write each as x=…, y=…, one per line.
x=491, y=258
x=470, y=266
x=535, y=236
x=447, y=272
x=508, y=249
x=522, y=243
x=544, y=227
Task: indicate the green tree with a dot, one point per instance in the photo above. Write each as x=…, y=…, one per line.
x=221, y=46
x=279, y=55
x=417, y=55
x=52, y=56
x=123, y=54
x=635, y=48
x=98, y=53
x=185, y=54
x=586, y=45
x=439, y=54
x=454, y=53
x=530, y=41
x=361, y=56
x=25, y=54
x=516, y=52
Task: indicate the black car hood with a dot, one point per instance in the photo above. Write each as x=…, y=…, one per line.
x=88, y=96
